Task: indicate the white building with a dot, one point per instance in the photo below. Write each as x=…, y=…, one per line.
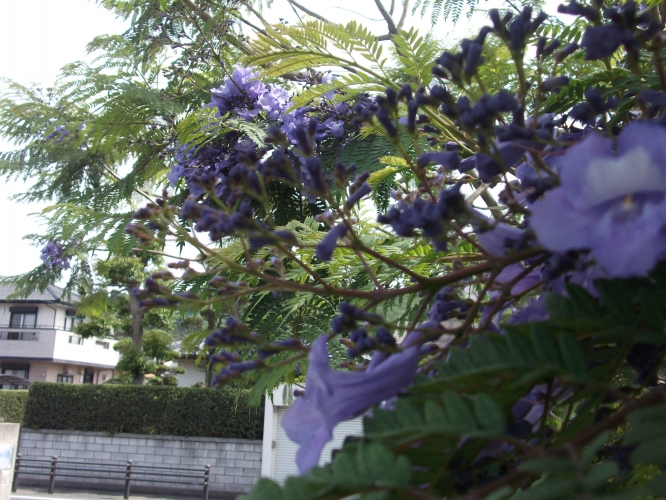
x=194, y=373
x=278, y=457
x=37, y=341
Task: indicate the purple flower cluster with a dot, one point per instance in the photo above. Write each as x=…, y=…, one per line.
x=245, y=96
x=221, y=165
x=431, y=218
x=53, y=256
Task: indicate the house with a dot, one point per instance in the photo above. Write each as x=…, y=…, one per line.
x=194, y=373
x=37, y=341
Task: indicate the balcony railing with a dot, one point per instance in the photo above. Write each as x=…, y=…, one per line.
x=19, y=335
x=36, y=327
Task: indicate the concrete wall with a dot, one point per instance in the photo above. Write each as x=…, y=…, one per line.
x=235, y=463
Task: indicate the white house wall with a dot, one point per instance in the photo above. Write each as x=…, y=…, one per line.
x=278, y=453
x=88, y=352
x=192, y=374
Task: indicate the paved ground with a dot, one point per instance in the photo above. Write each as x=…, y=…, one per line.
x=70, y=494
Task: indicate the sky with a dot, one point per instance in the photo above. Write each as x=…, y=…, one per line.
x=38, y=37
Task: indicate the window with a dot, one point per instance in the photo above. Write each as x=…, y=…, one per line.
x=18, y=370
x=23, y=317
x=13, y=335
x=75, y=339
x=102, y=343
x=70, y=319
x=66, y=379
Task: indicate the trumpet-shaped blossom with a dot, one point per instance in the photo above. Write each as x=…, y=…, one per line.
x=333, y=396
x=612, y=201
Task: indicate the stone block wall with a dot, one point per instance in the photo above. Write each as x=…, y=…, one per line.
x=235, y=464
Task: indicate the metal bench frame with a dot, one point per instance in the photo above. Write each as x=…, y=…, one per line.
x=119, y=471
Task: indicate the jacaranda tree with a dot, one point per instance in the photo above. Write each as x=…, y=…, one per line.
x=477, y=269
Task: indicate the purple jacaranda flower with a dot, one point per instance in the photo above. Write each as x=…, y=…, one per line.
x=501, y=238
x=332, y=396
x=52, y=256
x=612, y=201
x=509, y=273
x=328, y=78
x=534, y=311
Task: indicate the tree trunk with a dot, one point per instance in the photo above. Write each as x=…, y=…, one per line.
x=211, y=320
x=137, y=329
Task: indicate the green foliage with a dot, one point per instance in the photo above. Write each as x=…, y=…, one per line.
x=122, y=271
x=464, y=408
x=12, y=406
x=173, y=411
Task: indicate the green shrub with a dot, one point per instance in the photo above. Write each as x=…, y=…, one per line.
x=12, y=406
x=175, y=411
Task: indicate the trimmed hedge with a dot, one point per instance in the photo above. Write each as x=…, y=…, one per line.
x=175, y=411
x=12, y=406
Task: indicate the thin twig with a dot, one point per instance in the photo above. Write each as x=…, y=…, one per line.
x=403, y=17
x=387, y=17
x=309, y=12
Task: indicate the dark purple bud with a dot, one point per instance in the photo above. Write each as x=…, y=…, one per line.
x=568, y=49
x=550, y=48
x=538, y=21
x=483, y=33
x=448, y=159
x=583, y=113
x=275, y=136
x=385, y=120
x=576, y=9
x=412, y=109
x=225, y=355
x=441, y=94
x=600, y=42
x=312, y=168
x=385, y=337
x=594, y=97
x=183, y=264
x=303, y=140
x=245, y=366
x=473, y=59
x=325, y=247
x=362, y=191
x=392, y=97
x=554, y=83
x=406, y=92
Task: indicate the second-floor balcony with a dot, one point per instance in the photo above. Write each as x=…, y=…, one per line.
x=54, y=344
x=38, y=326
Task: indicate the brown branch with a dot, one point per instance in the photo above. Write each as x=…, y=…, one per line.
x=309, y=12
x=403, y=17
x=387, y=17
x=205, y=15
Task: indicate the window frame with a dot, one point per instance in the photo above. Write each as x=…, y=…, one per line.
x=17, y=318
